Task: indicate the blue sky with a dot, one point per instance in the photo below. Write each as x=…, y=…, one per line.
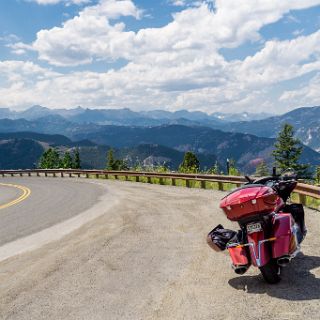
x=255, y=56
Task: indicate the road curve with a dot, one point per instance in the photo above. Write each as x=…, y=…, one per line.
x=146, y=258
x=50, y=202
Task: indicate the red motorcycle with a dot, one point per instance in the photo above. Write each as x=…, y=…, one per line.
x=270, y=229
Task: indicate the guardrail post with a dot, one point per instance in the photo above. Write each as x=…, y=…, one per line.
x=29, y=174
x=70, y=175
x=12, y=175
x=54, y=174
x=61, y=174
x=20, y=174
x=161, y=181
x=116, y=177
x=302, y=199
x=187, y=183
x=220, y=186
x=45, y=174
x=3, y=175
x=173, y=182
x=87, y=175
x=137, y=179
x=203, y=184
x=106, y=176
x=78, y=174
x=149, y=180
x=97, y=176
x=38, y=174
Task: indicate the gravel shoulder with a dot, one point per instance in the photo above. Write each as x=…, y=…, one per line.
x=146, y=258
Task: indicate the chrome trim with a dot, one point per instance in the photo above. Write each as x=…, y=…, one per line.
x=252, y=244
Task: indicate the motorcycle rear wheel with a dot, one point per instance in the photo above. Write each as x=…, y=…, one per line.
x=271, y=272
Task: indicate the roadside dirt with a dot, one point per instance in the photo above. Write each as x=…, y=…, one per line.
x=146, y=258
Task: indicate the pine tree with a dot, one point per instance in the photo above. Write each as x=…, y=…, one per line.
x=261, y=170
x=233, y=170
x=190, y=163
x=50, y=159
x=67, y=162
x=215, y=169
x=318, y=174
x=288, y=151
x=77, y=161
x=110, y=160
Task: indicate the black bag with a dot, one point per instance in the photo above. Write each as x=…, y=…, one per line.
x=297, y=211
x=218, y=238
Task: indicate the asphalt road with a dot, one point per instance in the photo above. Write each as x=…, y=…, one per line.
x=145, y=257
x=50, y=202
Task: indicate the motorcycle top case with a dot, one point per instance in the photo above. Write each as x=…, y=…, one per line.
x=249, y=200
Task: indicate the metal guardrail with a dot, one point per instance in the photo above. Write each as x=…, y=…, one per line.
x=303, y=190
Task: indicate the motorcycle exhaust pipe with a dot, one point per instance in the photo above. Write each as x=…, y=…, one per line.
x=240, y=269
x=283, y=261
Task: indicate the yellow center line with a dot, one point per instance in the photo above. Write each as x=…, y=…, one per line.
x=25, y=194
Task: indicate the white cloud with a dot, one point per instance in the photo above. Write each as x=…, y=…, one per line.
x=307, y=95
x=175, y=66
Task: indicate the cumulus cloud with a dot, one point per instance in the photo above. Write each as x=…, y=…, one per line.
x=309, y=94
x=177, y=66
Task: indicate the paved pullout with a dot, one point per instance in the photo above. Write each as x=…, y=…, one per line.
x=146, y=258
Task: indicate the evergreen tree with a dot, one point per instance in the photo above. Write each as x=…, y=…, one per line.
x=77, y=161
x=233, y=170
x=261, y=170
x=115, y=164
x=50, y=159
x=318, y=174
x=120, y=165
x=215, y=169
x=67, y=162
x=190, y=163
x=110, y=160
x=288, y=151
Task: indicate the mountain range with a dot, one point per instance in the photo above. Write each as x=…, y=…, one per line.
x=158, y=136
x=306, y=121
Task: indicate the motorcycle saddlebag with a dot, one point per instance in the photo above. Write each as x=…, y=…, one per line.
x=285, y=242
x=218, y=238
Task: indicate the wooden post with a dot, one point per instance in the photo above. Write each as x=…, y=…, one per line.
x=116, y=177
x=38, y=174
x=149, y=180
x=302, y=199
x=203, y=184
x=78, y=175
x=70, y=175
x=54, y=174
x=29, y=174
x=87, y=175
x=173, y=182
x=106, y=176
x=12, y=174
x=20, y=174
x=97, y=176
x=126, y=178
x=137, y=179
x=188, y=183
x=220, y=186
x=61, y=174
x=45, y=174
